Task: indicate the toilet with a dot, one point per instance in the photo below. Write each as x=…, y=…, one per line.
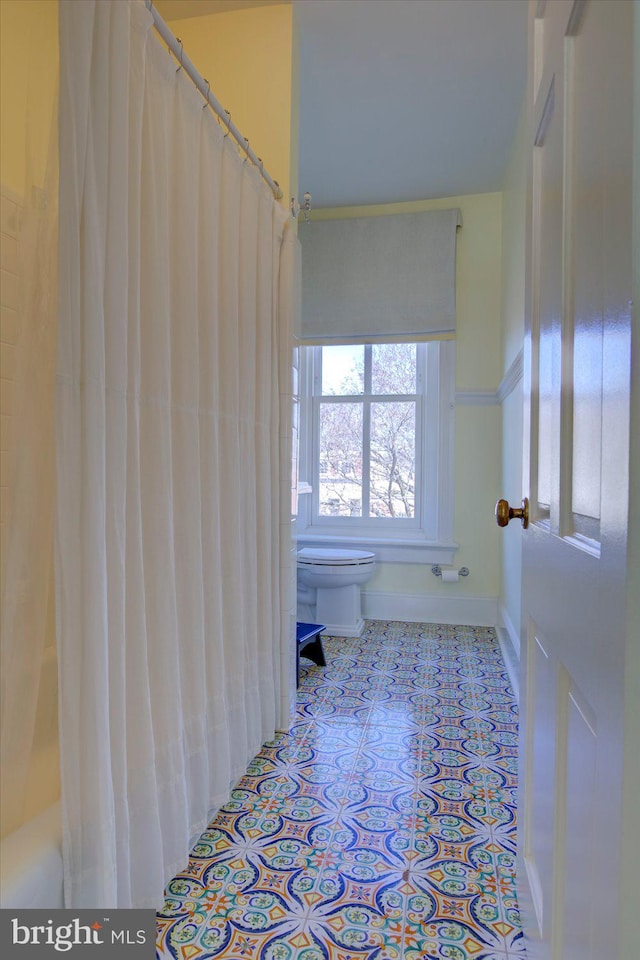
x=329, y=582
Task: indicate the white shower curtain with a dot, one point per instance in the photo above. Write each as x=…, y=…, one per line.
x=168, y=553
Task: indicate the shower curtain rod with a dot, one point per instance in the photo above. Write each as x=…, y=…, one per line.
x=175, y=46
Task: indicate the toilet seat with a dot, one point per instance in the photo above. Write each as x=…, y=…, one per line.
x=333, y=557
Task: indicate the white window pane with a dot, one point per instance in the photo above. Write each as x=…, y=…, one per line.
x=392, y=457
x=546, y=430
x=393, y=368
x=587, y=417
x=340, y=480
x=343, y=370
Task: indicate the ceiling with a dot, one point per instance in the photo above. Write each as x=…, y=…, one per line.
x=402, y=99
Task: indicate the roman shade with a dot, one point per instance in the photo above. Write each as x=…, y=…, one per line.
x=380, y=277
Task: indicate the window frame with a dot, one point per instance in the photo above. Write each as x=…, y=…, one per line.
x=428, y=536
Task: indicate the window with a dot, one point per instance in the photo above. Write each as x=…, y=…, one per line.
x=376, y=444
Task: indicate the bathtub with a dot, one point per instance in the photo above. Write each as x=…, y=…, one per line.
x=31, y=863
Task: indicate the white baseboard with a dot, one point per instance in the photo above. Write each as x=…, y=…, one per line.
x=506, y=622
x=418, y=608
x=342, y=630
x=535, y=891
x=510, y=646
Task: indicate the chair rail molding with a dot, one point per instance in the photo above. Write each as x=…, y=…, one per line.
x=512, y=377
x=477, y=398
x=494, y=398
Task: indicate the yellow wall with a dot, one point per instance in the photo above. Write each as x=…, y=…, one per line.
x=28, y=98
x=28, y=89
x=513, y=245
x=248, y=58
x=477, y=428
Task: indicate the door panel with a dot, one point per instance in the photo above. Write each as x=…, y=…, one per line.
x=578, y=785
x=576, y=466
x=586, y=181
x=540, y=760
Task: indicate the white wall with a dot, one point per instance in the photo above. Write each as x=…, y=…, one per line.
x=629, y=920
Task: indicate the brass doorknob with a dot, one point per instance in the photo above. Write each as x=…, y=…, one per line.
x=504, y=513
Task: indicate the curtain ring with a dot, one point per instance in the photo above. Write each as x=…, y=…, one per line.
x=207, y=104
x=228, y=113
x=246, y=148
x=181, y=54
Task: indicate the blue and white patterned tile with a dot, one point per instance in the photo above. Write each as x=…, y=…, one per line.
x=381, y=827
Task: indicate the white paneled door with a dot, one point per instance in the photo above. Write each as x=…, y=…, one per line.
x=576, y=462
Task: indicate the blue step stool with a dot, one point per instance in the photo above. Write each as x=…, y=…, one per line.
x=308, y=641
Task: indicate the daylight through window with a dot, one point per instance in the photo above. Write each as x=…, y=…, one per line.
x=376, y=446
x=368, y=410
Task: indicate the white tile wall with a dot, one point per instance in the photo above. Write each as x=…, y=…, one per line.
x=10, y=213
x=10, y=217
x=43, y=786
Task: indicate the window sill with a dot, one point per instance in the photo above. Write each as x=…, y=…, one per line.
x=386, y=549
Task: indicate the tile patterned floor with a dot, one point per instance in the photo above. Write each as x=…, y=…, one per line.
x=381, y=827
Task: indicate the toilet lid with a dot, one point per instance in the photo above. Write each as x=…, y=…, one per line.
x=334, y=557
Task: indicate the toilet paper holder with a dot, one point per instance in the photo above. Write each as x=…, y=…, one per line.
x=437, y=571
